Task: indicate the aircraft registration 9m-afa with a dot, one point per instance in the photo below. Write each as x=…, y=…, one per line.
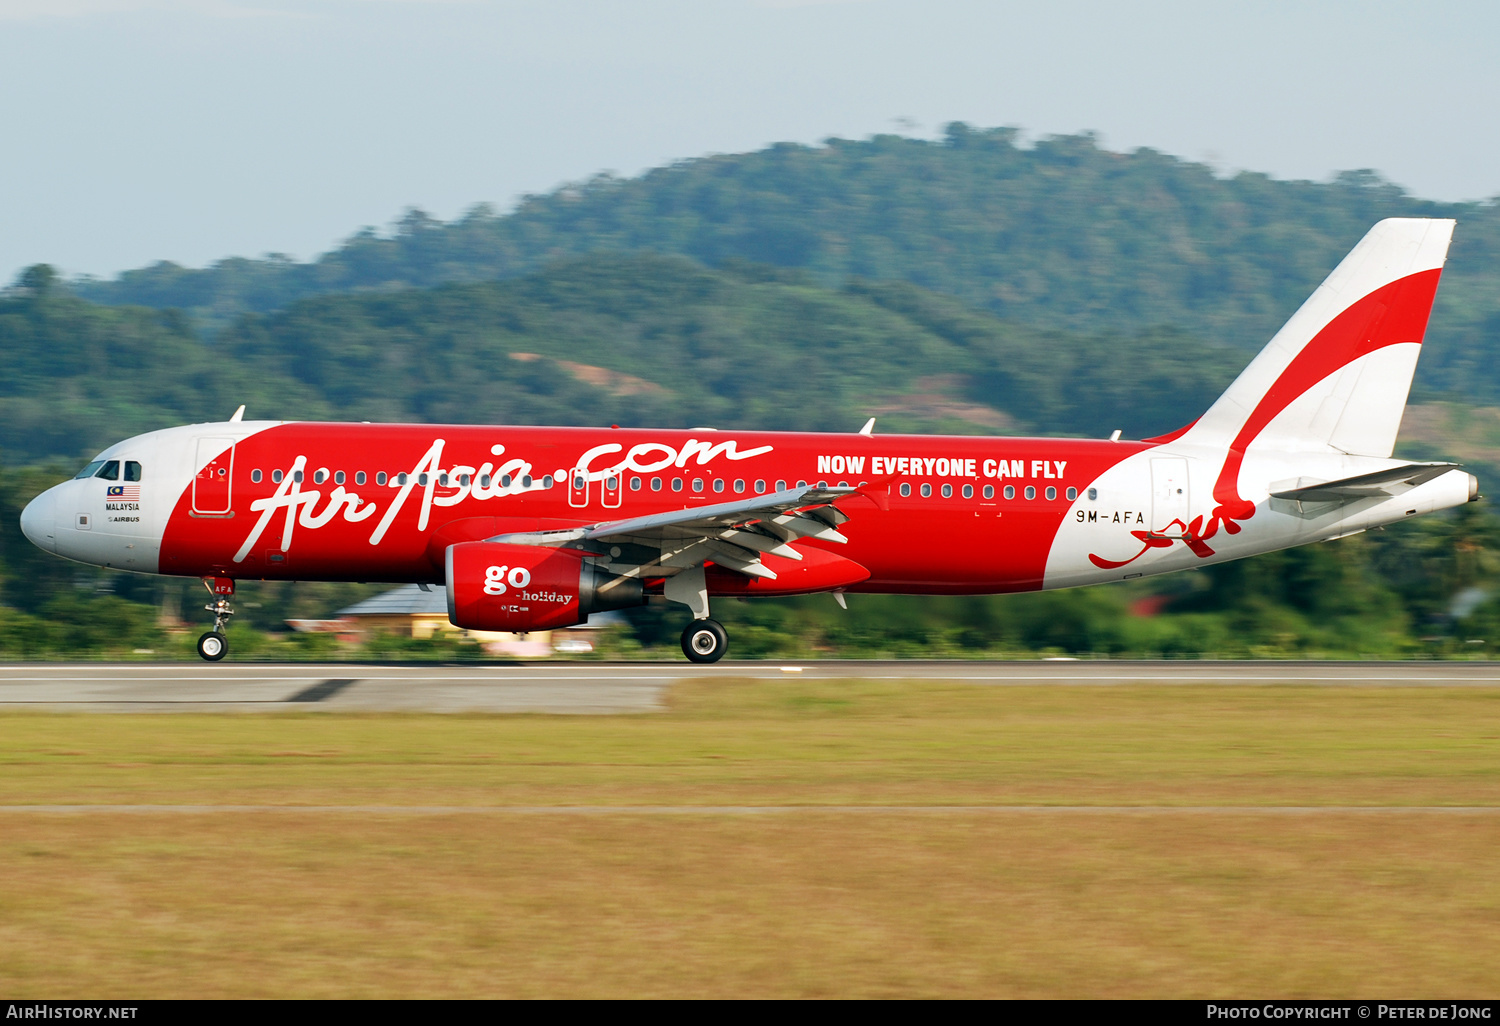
x=534, y=528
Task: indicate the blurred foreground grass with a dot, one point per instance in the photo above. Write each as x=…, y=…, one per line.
x=796, y=903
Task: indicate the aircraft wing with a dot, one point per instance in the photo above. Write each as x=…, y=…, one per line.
x=730, y=534
x=1368, y=486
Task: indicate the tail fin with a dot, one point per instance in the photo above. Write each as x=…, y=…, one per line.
x=1336, y=376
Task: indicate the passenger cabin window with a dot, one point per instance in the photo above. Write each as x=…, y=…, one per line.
x=989, y=491
x=89, y=471
x=926, y=491
x=1093, y=494
x=801, y=484
x=380, y=477
x=255, y=476
x=359, y=477
x=760, y=487
x=1072, y=493
x=297, y=476
x=505, y=480
x=547, y=481
x=319, y=476
x=276, y=476
x=781, y=486
x=1010, y=491
x=676, y=484
x=739, y=484
x=947, y=491
x=1030, y=492
x=968, y=491
x=1051, y=493
x=132, y=470
x=401, y=479
x=905, y=489
x=697, y=484
x=110, y=471
x=635, y=484
x=719, y=485
x=338, y=477
x=525, y=480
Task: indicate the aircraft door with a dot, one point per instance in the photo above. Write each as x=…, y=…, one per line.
x=213, y=486
x=1169, y=495
x=610, y=490
x=578, y=488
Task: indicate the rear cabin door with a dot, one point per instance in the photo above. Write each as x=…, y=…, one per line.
x=214, y=483
x=1169, y=495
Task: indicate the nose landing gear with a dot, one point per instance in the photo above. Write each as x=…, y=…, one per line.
x=212, y=645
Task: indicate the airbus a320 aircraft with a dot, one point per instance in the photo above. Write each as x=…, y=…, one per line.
x=533, y=528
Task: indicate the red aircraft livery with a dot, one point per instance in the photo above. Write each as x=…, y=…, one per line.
x=533, y=528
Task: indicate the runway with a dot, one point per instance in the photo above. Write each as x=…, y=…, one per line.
x=593, y=688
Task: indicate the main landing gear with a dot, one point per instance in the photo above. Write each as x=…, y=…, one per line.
x=212, y=645
x=704, y=641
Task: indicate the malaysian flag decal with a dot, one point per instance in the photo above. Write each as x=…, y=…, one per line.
x=123, y=493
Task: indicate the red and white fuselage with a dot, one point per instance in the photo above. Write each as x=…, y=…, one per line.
x=975, y=515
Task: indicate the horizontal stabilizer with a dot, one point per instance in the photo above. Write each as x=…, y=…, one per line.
x=1368, y=486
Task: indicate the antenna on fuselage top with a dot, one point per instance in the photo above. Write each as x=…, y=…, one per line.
x=869, y=428
x=1114, y=435
x=238, y=415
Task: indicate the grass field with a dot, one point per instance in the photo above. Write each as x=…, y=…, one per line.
x=1196, y=893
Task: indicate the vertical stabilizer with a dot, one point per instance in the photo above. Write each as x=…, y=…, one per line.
x=1336, y=376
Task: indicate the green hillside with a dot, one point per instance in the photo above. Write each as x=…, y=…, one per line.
x=1062, y=235
x=639, y=340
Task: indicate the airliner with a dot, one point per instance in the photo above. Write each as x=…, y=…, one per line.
x=535, y=528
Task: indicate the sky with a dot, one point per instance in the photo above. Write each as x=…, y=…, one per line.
x=190, y=130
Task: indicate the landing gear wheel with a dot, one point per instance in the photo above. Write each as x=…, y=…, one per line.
x=704, y=641
x=213, y=646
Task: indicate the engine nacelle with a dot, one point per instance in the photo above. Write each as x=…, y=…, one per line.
x=493, y=586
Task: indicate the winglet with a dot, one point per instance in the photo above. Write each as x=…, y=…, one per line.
x=239, y=415
x=869, y=428
x=878, y=492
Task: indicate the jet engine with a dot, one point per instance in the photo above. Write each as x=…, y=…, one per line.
x=494, y=586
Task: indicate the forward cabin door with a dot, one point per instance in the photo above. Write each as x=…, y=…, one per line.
x=1169, y=495
x=214, y=483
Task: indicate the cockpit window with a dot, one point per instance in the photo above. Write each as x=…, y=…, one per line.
x=110, y=471
x=88, y=471
x=132, y=470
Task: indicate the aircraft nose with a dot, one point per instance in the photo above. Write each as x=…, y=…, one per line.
x=39, y=523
